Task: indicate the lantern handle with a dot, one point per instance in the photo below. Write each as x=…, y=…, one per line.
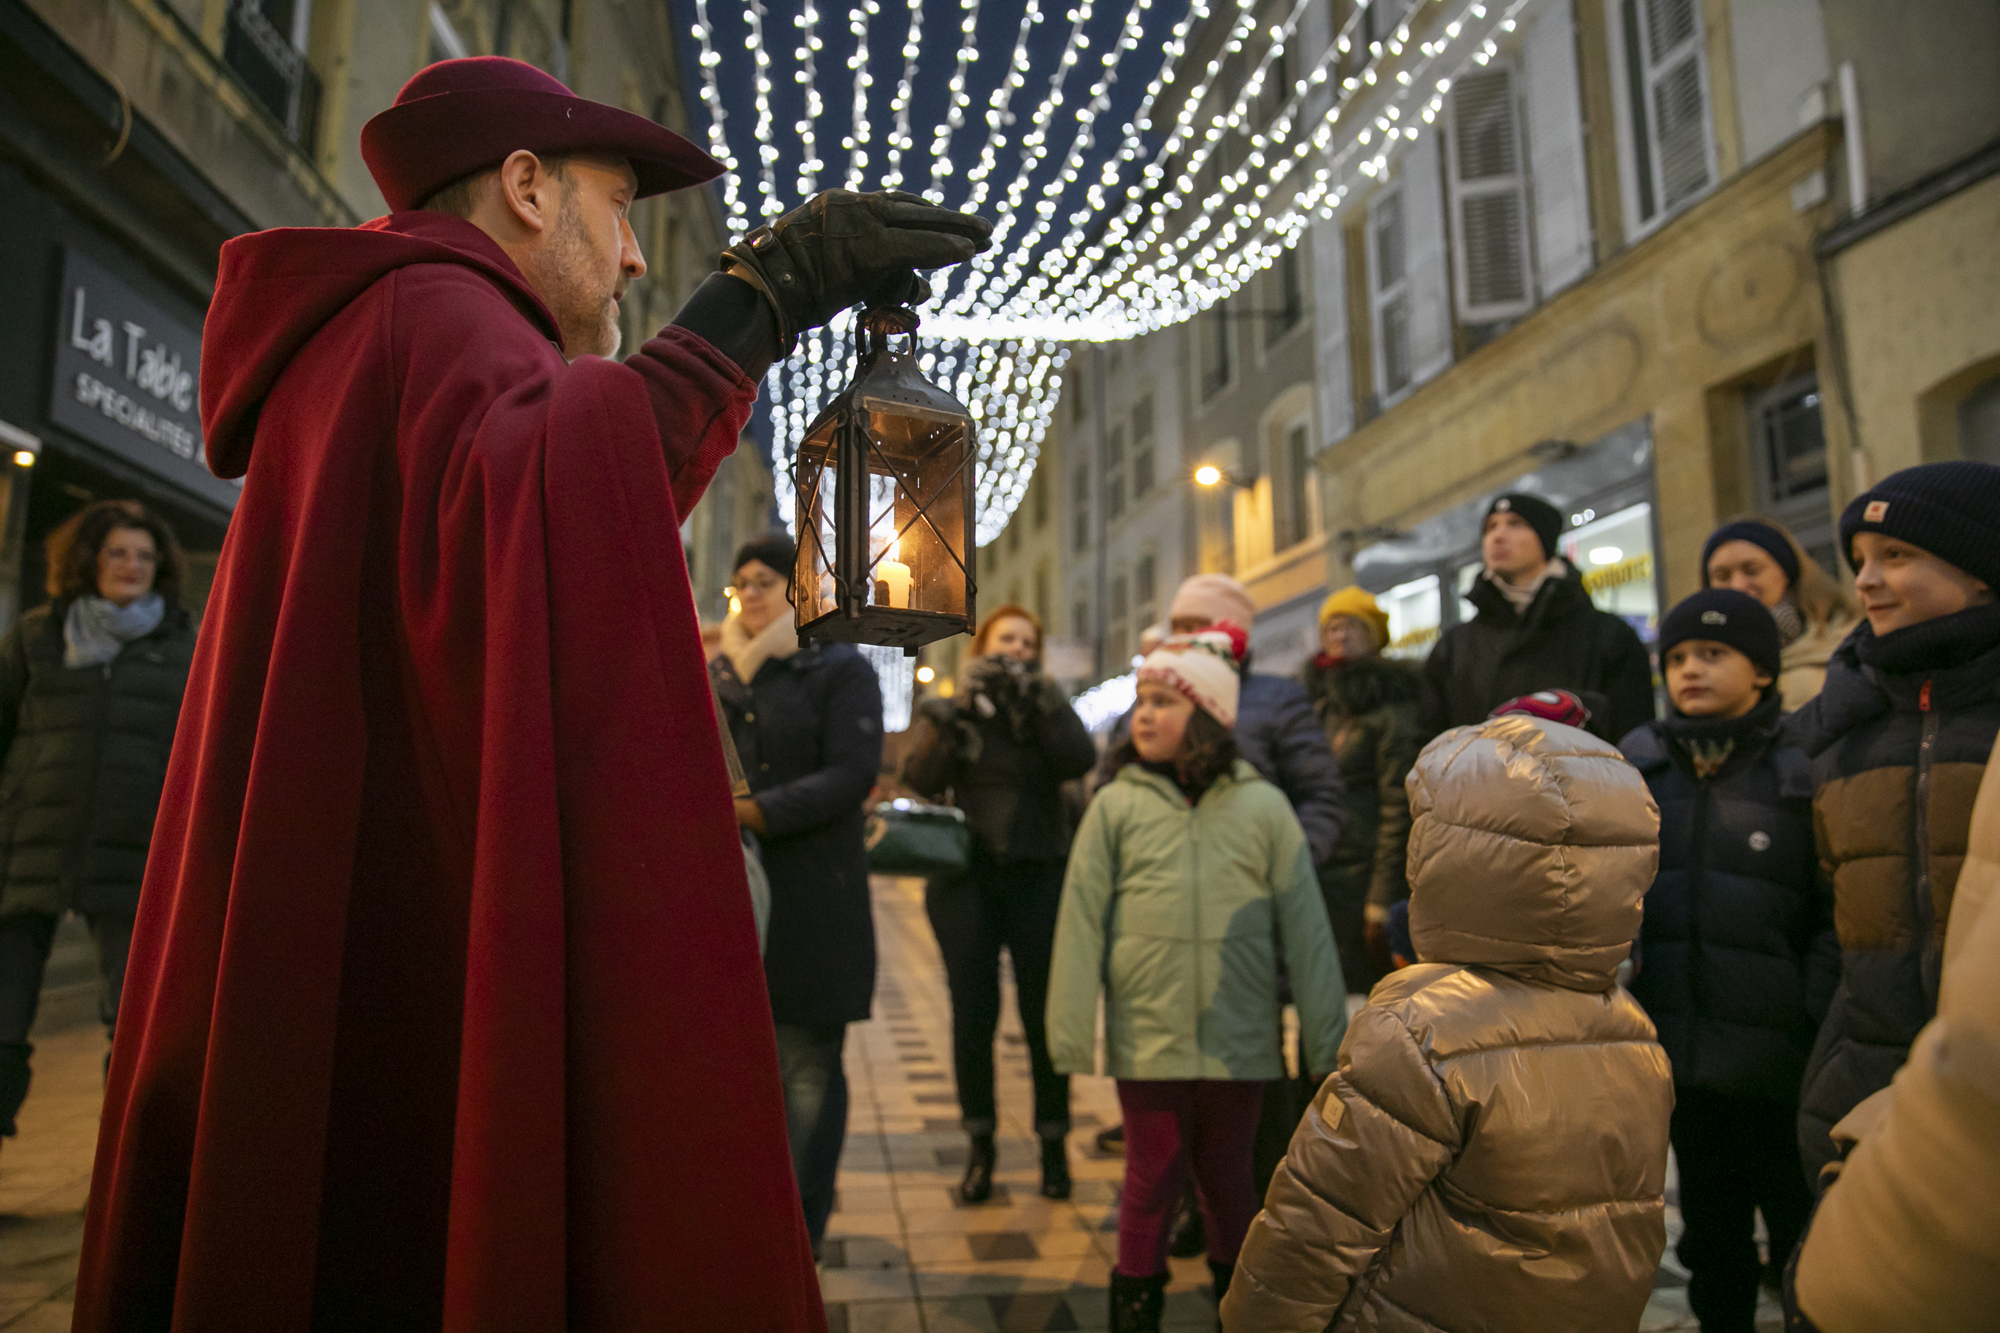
x=884, y=320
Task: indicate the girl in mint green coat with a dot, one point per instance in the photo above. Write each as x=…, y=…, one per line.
x=1187, y=875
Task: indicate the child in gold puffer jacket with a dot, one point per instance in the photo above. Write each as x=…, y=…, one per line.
x=1492, y=1151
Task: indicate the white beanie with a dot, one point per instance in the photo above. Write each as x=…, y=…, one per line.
x=1214, y=598
x=1202, y=667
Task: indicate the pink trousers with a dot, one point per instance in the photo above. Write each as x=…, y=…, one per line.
x=1170, y=1125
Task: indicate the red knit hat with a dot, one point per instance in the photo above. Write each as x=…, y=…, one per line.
x=461, y=116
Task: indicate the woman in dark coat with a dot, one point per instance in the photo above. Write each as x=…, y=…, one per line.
x=90, y=692
x=1003, y=748
x=1368, y=704
x=807, y=722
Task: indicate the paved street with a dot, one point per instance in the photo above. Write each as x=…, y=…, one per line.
x=902, y=1255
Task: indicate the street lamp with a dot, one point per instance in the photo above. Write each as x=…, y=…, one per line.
x=1208, y=474
x=885, y=502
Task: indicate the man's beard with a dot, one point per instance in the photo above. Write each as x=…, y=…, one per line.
x=585, y=313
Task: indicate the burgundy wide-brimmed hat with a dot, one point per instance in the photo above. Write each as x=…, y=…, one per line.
x=461, y=116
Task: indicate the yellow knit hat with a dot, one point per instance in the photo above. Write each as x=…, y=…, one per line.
x=1360, y=604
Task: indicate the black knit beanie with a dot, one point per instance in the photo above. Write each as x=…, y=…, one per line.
x=1726, y=616
x=774, y=549
x=1537, y=513
x=1951, y=510
x=1761, y=535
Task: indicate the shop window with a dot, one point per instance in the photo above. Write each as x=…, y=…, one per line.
x=1212, y=331
x=1414, y=613
x=1489, y=197
x=1142, y=445
x=1390, y=286
x=1614, y=554
x=1286, y=281
x=1666, y=102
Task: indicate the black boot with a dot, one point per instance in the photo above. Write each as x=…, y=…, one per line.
x=1055, y=1168
x=1222, y=1274
x=1188, y=1236
x=977, y=1187
x=1136, y=1302
x=1111, y=1140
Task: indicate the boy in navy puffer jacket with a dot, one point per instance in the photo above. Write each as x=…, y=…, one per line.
x=1738, y=959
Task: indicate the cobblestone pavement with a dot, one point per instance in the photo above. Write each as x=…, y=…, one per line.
x=902, y=1255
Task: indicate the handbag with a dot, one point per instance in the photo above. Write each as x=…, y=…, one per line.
x=905, y=837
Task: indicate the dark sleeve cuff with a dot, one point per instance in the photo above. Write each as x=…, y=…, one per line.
x=735, y=319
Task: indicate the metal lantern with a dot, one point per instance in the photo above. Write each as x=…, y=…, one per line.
x=884, y=482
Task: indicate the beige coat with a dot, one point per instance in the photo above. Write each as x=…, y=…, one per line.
x=1491, y=1153
x=1802, y=666
x=1909, y=1235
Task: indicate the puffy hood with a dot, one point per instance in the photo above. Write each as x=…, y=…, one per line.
x=276, y=289
x=1531, y=848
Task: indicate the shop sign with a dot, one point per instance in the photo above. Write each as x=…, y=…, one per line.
x=128, y=375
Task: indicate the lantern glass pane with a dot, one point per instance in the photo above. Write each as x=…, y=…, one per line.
x=813, y=578
x=918, y=486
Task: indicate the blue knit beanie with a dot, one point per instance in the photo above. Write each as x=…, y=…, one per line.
x=1725, y=615
x=1951, y=510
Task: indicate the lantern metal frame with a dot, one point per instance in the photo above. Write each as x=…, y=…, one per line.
x=886, y=381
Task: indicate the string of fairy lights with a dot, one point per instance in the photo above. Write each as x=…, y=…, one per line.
x=1160, y=227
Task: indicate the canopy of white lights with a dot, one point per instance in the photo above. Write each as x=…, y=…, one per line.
x=1136, y=251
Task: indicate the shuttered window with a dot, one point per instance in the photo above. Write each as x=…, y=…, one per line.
x=1114, y=472
x=1142, y=446
x=1080, y=498
x=1291, y=487
x=1667, y=93
x=1489, y=199
x=1389, y=274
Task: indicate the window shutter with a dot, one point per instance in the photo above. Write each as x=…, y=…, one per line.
x=1430, y=288
x=1490, y=199
x=1549, y=85
x=1334, y=375
x=1389, y=271
x=1669, y=103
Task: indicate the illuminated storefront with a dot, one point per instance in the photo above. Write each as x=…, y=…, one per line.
x=1606, y=492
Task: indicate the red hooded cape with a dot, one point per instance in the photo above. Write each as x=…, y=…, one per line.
x=444, y=1008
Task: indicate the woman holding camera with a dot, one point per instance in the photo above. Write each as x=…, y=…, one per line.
x=1003, y=748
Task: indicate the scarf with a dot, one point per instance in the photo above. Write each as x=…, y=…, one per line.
x=1931, y=645
x=747, y=653
x=1709, y=742
x=97, y=629
x=1791, y=624
x=1523, y=596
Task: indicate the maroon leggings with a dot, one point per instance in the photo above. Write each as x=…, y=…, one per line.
x=1167, y=1123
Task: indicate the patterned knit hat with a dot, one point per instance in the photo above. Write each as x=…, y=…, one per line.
x=1203, y=667
x=1951, y=510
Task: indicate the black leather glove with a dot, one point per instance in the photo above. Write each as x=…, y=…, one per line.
x=842, y=248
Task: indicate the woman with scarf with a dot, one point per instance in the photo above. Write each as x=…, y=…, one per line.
x=806, y=720
x=1759, y=557
x=90, y=692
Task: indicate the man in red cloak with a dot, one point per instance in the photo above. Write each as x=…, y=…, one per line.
x=444, y=1009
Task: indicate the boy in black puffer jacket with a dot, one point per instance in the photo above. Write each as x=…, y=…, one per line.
x=1737, y=959
x=1899, y=739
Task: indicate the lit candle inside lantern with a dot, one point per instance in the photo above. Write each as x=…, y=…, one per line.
x=894, y=576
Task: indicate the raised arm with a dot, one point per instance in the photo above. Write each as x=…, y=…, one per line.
x=1379, y=1132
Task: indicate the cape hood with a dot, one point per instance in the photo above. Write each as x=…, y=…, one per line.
x=275, y=290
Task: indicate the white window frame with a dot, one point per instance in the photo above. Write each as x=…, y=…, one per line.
x=1621, y=84
x=1380, y=298
x=1460, y=191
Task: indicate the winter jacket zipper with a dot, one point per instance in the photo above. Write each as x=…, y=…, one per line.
x=1926, y=911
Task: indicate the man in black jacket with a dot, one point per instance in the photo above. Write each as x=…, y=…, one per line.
x=1536, y=629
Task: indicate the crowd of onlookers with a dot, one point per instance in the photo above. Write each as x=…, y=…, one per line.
x=1750, y=924
x=1587, y=927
